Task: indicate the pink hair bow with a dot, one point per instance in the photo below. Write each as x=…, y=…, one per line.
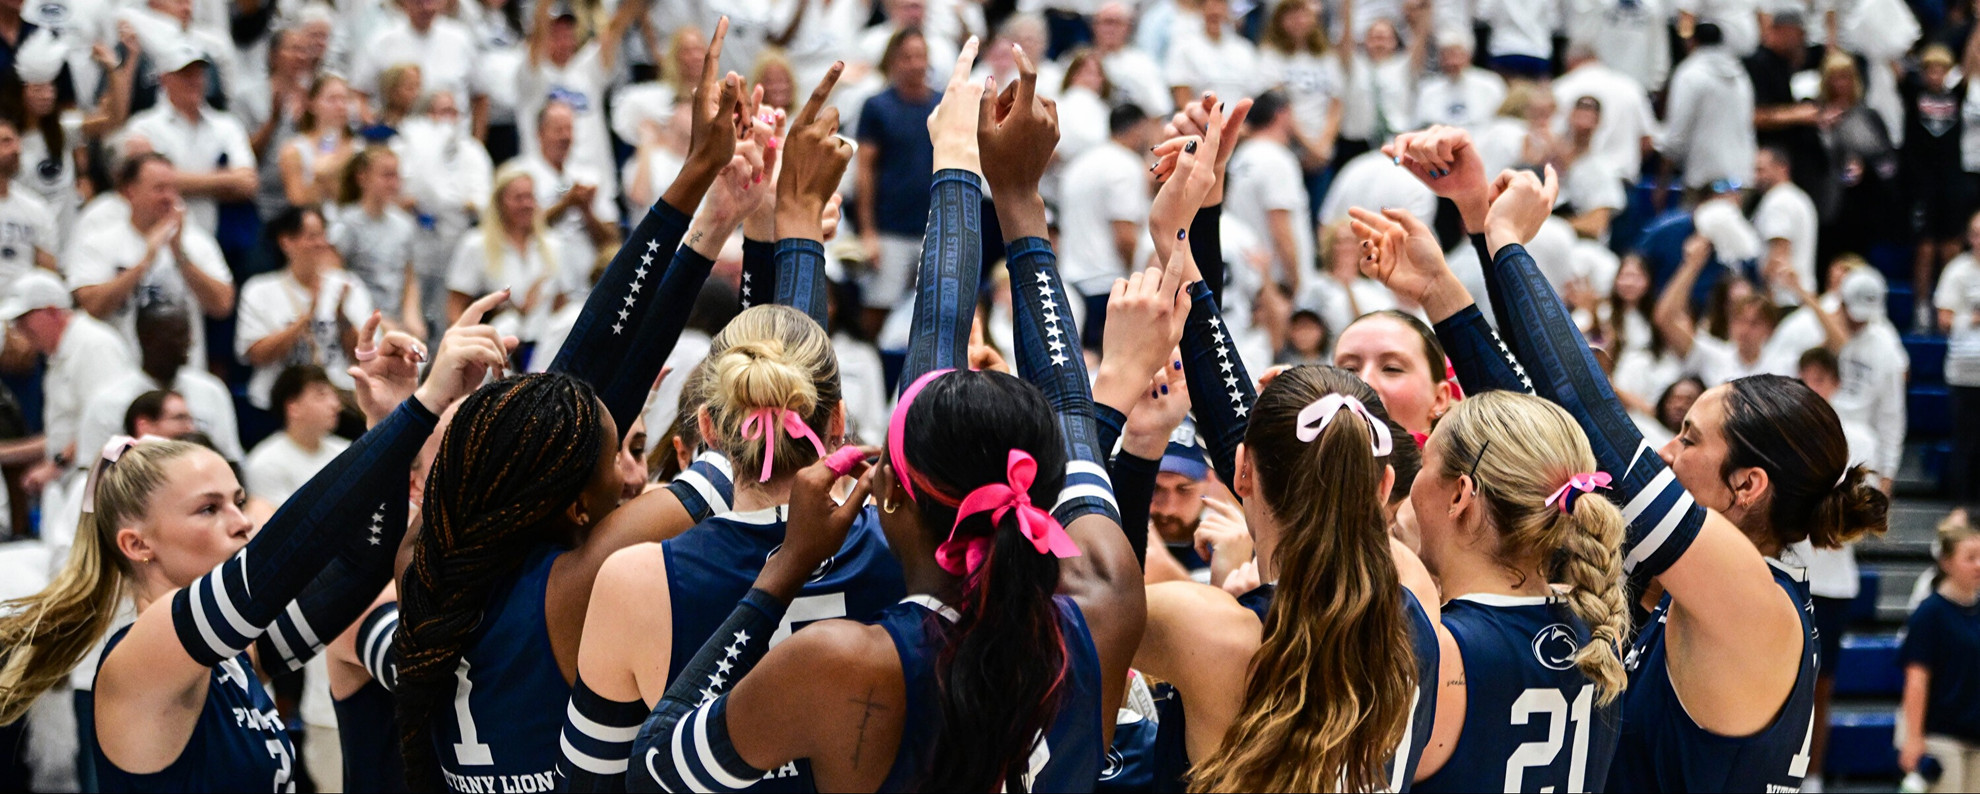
x=962, y=556
x=1582, y=483
x=1314, y=418
x=762, y=423
x=112, y=451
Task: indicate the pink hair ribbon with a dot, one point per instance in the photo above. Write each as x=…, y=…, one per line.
x=1314, y=418
x=1580, y=483
x=961, y=556
x=762, y=423
x=112, y=451
x=897, y=430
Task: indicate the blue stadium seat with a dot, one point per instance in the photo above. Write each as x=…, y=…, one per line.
x=1869, y=666
x=1860, y=745
x=1928, y=412
x=1863, y=608
x=1935, y=458
x=1899, y=304
x=1928, y=358
x=1893, y=260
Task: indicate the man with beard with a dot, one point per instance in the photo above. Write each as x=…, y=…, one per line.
x=1178, y=507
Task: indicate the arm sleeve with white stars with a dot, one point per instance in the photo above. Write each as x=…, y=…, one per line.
x=799, y=270
x=1220, y=390
x=635, y=314
x=319, y=561
x=759, y=272
x=1048, y=355
x=1663, y=518
x=684, y=744
x=1482, y=361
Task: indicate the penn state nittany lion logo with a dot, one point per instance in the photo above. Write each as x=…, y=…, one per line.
x=816, y=573
x=1554, y=646
x=1115, y=762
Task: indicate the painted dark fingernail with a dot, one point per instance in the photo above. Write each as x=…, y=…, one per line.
x=1165, y=389
x=1220, y=107
x=1179, y=365
x=1181, y=233
x=1154, y=395
x=1190, y=147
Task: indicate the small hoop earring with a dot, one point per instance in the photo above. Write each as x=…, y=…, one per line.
x=889, y=508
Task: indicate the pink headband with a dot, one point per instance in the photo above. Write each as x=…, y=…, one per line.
x=962, y=556
x=762, y=423
x=897, y=432
x=1314, y=418
x=1578, y=484
x=111, y=453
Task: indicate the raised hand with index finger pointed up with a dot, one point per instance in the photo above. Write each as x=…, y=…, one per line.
x=815, y=158
x=1017, y=133
x=712, y=128
x=952, y=127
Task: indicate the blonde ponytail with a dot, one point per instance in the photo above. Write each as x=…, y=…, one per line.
x=777, y=358
x=47, y=634
x=1536, y=446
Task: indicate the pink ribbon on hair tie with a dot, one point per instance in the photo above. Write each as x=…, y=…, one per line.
x=762, y=423
x=962, y=556
x=1584, y=483
x=112, y=452
x=1316, y=417
x=1420, y=438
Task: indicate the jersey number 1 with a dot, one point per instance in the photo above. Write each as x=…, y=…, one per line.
x=1553, y=704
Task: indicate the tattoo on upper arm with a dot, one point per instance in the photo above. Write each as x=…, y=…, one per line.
x=1458, y=681
x=867, y=706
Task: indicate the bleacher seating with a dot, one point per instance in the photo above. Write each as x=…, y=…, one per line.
x=1928, y=358
x=1869, y=666
x=1860, y=745
x=1929, y=412
x=1863, y=609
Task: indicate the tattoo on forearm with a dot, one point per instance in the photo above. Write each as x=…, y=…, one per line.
x=867, y=706
x=694, y=238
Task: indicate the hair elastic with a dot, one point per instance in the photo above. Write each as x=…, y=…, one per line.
x=112, y=452
x=1314, y=418
x=1578, y=484
x=1843, y=477
x=762, y=423
x=962, y=556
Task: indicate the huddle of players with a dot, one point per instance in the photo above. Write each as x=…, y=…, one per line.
x=963, y=613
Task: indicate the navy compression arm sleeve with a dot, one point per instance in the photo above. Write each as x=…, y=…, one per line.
x=1663, y=518
x=945, y=284
x=597, y=741
x=759, y=271
x=1048, y=355
x=800, y=266
x=1478, y=354
x=662, y=314
x=685, y=743
x=1110, y=424
x=339, y=595
x=221, y=613
x=1206, y=246
x=1134, y=485
x=1220, y=390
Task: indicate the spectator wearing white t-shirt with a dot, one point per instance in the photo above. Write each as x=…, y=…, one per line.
x=1958, y=300
x=1103, y=202
x=1458, y=94
x=1296, y=58
x=27, y=227
x=312, y=160
x=449, y=176
x=1591, y=186
x=84, y=357
x=208, y=148
x=1265, y=190
x=510, y=250
x=282, y=463
x=1750, y=326
x=1136, y=76
x=143, y=250
x=1214, y=58
x=162, y=365
x=1874, y=366
x=1737, y=20
x=1084, y=108
x=1786, y=220
x=580, y=205
x=1381, y=97
x=1629, y=37
x=563, y=69
x=444, y=49
x=1628, y=127
x=1522, y=43
x=307, y=312
x=1709, y=131
x=375, y=237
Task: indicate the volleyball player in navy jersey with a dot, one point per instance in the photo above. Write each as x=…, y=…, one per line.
x=983, y=678
x=179, y=703
x=1765, y=454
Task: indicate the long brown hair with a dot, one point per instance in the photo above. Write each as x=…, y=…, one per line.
x=47, y=634
x=1332, y=683
x=1279, y=40
x=1534, y=446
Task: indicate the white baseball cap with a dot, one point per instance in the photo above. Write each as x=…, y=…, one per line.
x=35, y=289
x=179, y=55
x=1863, y=293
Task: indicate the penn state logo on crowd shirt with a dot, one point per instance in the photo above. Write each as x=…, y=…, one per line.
x=1555, y=647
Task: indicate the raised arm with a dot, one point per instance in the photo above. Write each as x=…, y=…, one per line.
x=815, y=158
x=1672, y=314
x=951, y=248
x=1403, y=253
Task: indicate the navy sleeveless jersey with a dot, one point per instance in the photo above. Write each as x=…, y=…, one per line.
x=1661, y=749
x=1068, y=757
x=238, y=743
x=1530, y=718
x=1423, y=644
x=509, y=696
x=369, y=737
x=713, y=565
